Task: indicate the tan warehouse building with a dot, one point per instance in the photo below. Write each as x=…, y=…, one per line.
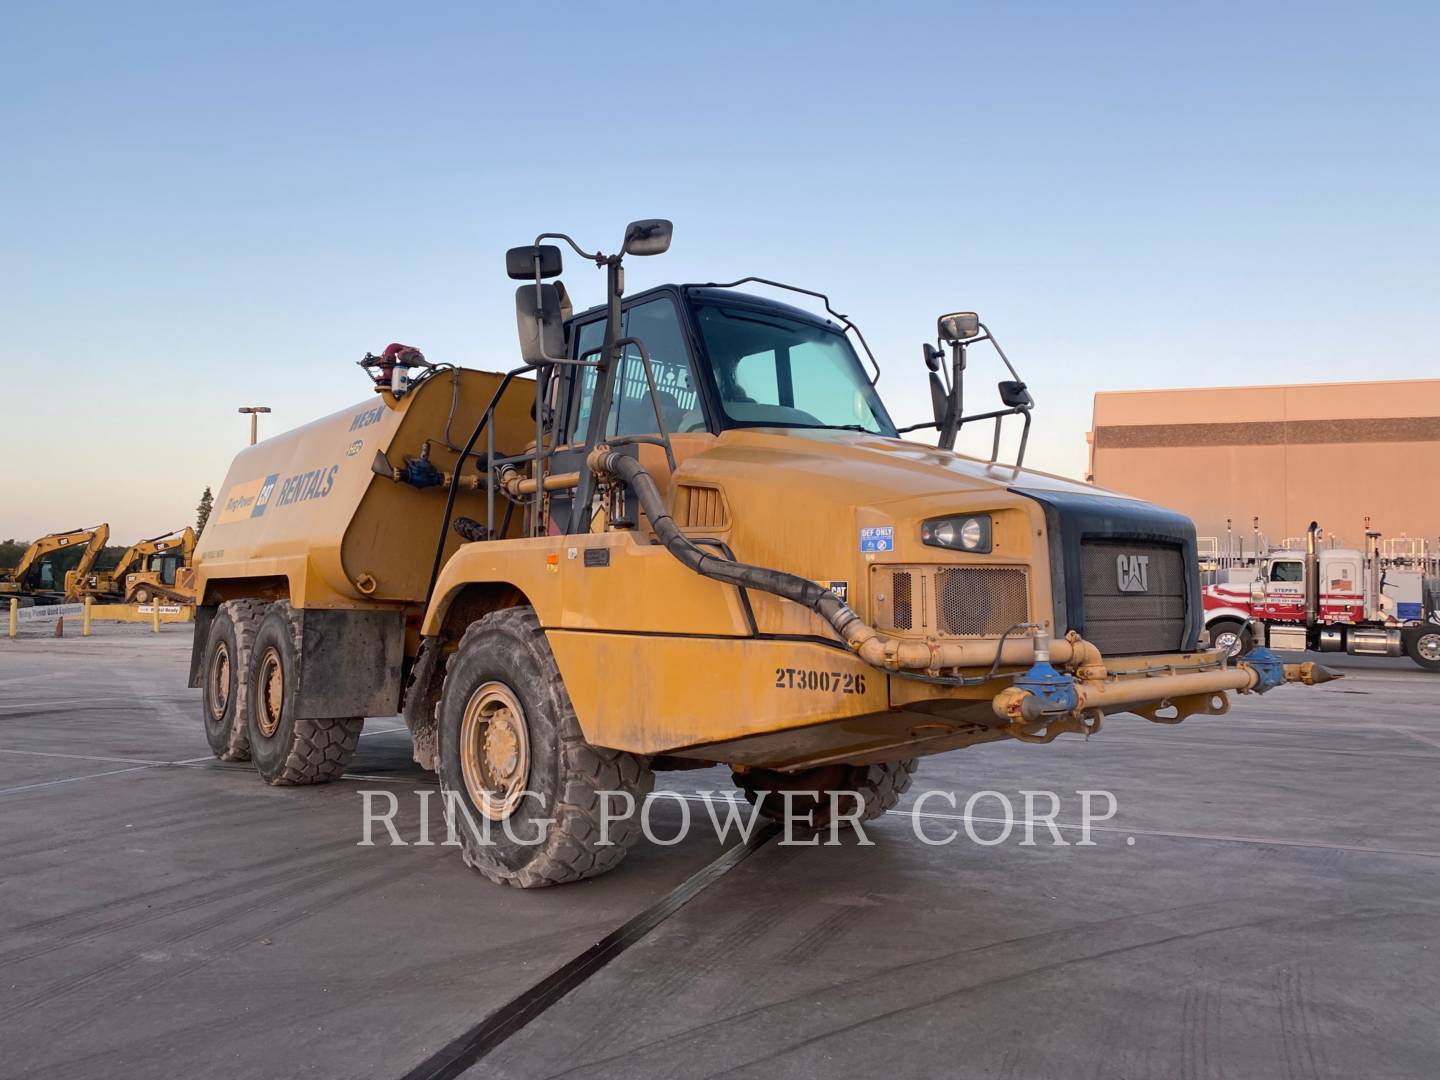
x=1329, y=452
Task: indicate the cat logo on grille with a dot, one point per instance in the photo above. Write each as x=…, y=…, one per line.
x=1133, y=572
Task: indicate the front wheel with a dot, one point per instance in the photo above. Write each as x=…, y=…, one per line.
x=534, y=804
x=1231, y=638
x=814, y=797
x=1422, y=644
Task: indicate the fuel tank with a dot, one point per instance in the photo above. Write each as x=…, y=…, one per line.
x=308, y=511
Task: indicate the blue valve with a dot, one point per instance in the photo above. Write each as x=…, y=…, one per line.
x=1054, y=692
x=1269, y=667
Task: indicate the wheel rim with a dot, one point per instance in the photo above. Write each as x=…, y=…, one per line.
x=272, y=693
x=219, y=696
x=1228, y=642
x=494, y=750
x=1429, y=648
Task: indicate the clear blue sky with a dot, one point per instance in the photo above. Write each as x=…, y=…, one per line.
x=204, y=208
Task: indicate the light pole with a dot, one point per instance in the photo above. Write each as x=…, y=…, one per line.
x=253, y=410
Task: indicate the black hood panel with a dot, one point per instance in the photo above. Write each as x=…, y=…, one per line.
x=1073, y=519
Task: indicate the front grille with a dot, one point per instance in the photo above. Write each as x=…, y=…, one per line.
x=962, y=601
x=1150, y=615
x=975, y=602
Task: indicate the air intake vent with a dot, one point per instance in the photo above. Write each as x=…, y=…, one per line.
x=978, y=602
x=698, y=507
x=962, y=601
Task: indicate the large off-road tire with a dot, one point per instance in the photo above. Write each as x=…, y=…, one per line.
x=224, y=687
x=287, y=749
x=876, y=787
x=1422, y=644
x=512, y=754
x=1232, y=636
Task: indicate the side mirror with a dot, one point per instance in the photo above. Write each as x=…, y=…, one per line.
x=520, y=261
x=648, y=237
x=540, y=325
x=933, y=356
x=939, y=401
x=1015, y=396
x=958, y=326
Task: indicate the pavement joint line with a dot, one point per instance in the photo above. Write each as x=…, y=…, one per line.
x=463, y=1052
x=85, y=757
x=1412, y=734
x=1194, y=744
x=74, y=779
x=31, y=678
x=1219, y=837
x=59, y=701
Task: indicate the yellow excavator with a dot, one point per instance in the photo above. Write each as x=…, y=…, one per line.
x=34, y=578
x=149, y=568
x=168, y=575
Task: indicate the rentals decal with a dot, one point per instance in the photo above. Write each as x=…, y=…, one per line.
x=252, y=498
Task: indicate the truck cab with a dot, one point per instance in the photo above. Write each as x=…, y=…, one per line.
x=1326, y=600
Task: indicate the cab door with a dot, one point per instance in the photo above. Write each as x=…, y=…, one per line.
x=656, y=321
x=1284, y=591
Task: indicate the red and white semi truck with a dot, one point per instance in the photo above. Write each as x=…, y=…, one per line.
x=1331, y=600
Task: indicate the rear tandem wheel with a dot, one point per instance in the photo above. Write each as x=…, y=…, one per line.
x=285, y=748
x=225, y=688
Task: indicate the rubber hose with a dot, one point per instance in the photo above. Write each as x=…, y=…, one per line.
x=791, y=587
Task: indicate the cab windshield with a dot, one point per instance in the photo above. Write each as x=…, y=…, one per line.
x=774, y=371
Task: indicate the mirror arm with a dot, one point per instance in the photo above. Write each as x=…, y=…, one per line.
x=916, y=427
x=991, y=338
x=596, y=258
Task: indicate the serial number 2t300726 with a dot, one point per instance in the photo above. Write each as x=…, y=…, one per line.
x=833, y=682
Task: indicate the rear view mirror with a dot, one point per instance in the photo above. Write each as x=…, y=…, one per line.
x=540, y=324
x=648, y=237
x=959, y=326
x=1015, y=395
x=933, y=356
x=520, y=261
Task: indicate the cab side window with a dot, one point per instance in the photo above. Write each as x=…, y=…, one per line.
x=657, y=324
x=1287, y=571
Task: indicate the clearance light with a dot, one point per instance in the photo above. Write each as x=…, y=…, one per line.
x=967, y=532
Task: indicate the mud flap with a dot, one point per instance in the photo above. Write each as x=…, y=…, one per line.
x=350, y=663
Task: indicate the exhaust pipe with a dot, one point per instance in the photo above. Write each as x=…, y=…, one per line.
x=1312, y=576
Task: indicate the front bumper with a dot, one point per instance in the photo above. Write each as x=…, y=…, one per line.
x=1164, y=689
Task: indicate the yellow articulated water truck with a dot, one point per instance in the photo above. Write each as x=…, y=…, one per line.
x=683, y=531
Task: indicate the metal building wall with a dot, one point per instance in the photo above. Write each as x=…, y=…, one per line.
x=1331, y=452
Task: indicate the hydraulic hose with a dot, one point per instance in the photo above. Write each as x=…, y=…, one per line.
x=879, y=650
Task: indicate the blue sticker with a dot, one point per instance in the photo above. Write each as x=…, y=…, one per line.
x=879, y=538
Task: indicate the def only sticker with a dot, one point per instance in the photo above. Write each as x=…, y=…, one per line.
x=877, y=538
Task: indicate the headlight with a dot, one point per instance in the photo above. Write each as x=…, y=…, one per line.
x=963, y=532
